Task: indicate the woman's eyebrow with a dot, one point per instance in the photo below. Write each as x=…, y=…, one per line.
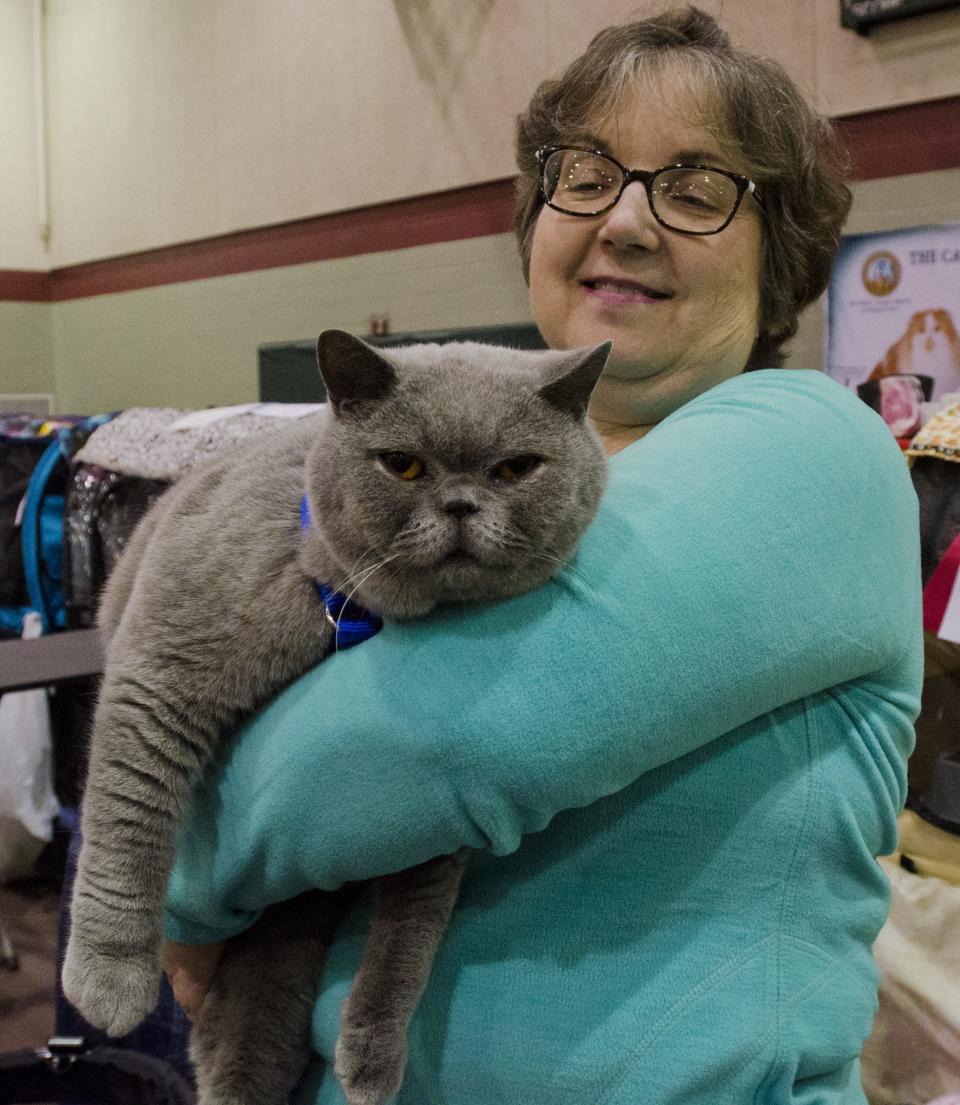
x=701, y=157
x=589, y=140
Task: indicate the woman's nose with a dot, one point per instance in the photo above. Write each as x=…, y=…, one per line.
x=631, y=223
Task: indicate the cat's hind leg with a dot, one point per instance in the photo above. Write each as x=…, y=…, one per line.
x=411, y=910
x=251, y=1039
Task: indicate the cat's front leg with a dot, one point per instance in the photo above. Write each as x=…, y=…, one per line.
x=411, y=911
x=148, y=751
x=111, y=971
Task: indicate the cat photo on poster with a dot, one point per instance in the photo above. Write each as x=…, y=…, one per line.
x=893, y=320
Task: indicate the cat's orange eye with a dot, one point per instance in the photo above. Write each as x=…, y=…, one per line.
x=515, y=467
x=404, y=465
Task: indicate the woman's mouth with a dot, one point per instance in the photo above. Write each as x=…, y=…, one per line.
x=620, y=292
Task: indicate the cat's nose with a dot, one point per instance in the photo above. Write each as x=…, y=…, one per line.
x=460, y=508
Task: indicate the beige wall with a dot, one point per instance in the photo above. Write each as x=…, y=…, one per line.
x=172, y=120
x=195, y=344
x=21, y=245
x=26, y=348
x=899, y=63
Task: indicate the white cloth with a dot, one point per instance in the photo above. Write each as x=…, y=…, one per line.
x=28, y=804
x=913, y=1053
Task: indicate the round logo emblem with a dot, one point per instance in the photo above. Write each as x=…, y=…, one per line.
x=881, y=272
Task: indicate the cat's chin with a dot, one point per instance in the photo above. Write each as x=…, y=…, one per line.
x=457, y=578
x=401, y=604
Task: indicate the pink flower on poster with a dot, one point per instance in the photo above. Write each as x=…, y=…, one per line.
x=900, y=399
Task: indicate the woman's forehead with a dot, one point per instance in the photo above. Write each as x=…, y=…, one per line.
x=661, y=119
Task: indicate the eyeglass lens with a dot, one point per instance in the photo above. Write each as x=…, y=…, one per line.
x=685, y=199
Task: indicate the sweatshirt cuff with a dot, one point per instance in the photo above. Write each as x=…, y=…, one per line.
x=185, y=931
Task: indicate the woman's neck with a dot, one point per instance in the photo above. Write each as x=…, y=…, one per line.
x=615, y=436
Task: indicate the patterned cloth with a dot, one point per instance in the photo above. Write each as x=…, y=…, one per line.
x=31, y=426
x=141, y=442
x=913, y=1053
x=940, y=437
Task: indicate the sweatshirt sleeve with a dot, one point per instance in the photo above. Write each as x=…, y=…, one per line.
x=759, y=546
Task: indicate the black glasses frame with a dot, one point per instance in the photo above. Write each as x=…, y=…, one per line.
x=745, y=186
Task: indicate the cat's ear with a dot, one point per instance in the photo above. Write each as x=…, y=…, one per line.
x=574, y=376
x=353, y=372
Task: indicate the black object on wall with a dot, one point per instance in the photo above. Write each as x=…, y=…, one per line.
x=288, y=370
x=862, y=15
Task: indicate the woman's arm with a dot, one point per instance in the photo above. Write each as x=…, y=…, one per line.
x=759, y=546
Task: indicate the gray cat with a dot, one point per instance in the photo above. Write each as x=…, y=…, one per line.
x=435, y=474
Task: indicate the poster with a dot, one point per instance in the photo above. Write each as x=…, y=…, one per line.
x=894, y=310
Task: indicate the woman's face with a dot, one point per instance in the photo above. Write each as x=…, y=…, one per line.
x=590, y=278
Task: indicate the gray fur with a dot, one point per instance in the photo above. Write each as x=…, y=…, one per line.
x=212, y=610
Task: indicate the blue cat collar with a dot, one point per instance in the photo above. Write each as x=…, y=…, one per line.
x=351, y=622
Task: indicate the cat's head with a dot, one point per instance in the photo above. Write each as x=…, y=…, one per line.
x=459, y=472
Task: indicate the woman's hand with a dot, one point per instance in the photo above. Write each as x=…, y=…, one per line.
x=190, y=969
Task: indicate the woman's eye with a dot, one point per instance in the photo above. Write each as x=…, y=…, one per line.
x=588, y=182
x=405, y=465
x=704, y=200
x=515, y=467
x=585, y=185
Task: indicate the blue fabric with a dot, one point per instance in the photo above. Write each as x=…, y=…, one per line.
x=11, y=618
x=41, y=540
x=351, y=622
x=677, y=762
x=51, y=559
x=41, y=529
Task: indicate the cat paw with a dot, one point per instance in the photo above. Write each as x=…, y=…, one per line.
x=112, y=992
x=370, y=1061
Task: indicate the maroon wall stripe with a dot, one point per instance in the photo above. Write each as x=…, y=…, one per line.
x=915, y=138
x=442, y=217
x=22, y=286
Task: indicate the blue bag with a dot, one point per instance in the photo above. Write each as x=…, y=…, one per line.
x=33, y=579
x=41, y=541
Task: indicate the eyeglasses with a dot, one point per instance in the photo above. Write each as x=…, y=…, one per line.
x=692, y=199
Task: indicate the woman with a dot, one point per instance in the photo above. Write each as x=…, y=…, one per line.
x=678, y=762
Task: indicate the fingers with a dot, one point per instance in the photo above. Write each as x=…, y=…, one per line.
x=191, y=969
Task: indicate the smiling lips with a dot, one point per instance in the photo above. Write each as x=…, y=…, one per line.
x=616, y=291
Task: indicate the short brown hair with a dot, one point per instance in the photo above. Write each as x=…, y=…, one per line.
x=756, y=112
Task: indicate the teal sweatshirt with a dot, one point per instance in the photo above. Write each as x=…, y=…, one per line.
x=677, y=762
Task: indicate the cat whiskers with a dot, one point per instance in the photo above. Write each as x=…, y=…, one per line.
x=550, y=558
x=418, y=536
x=496, y=536
x=365, y=574
x=360, y=566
